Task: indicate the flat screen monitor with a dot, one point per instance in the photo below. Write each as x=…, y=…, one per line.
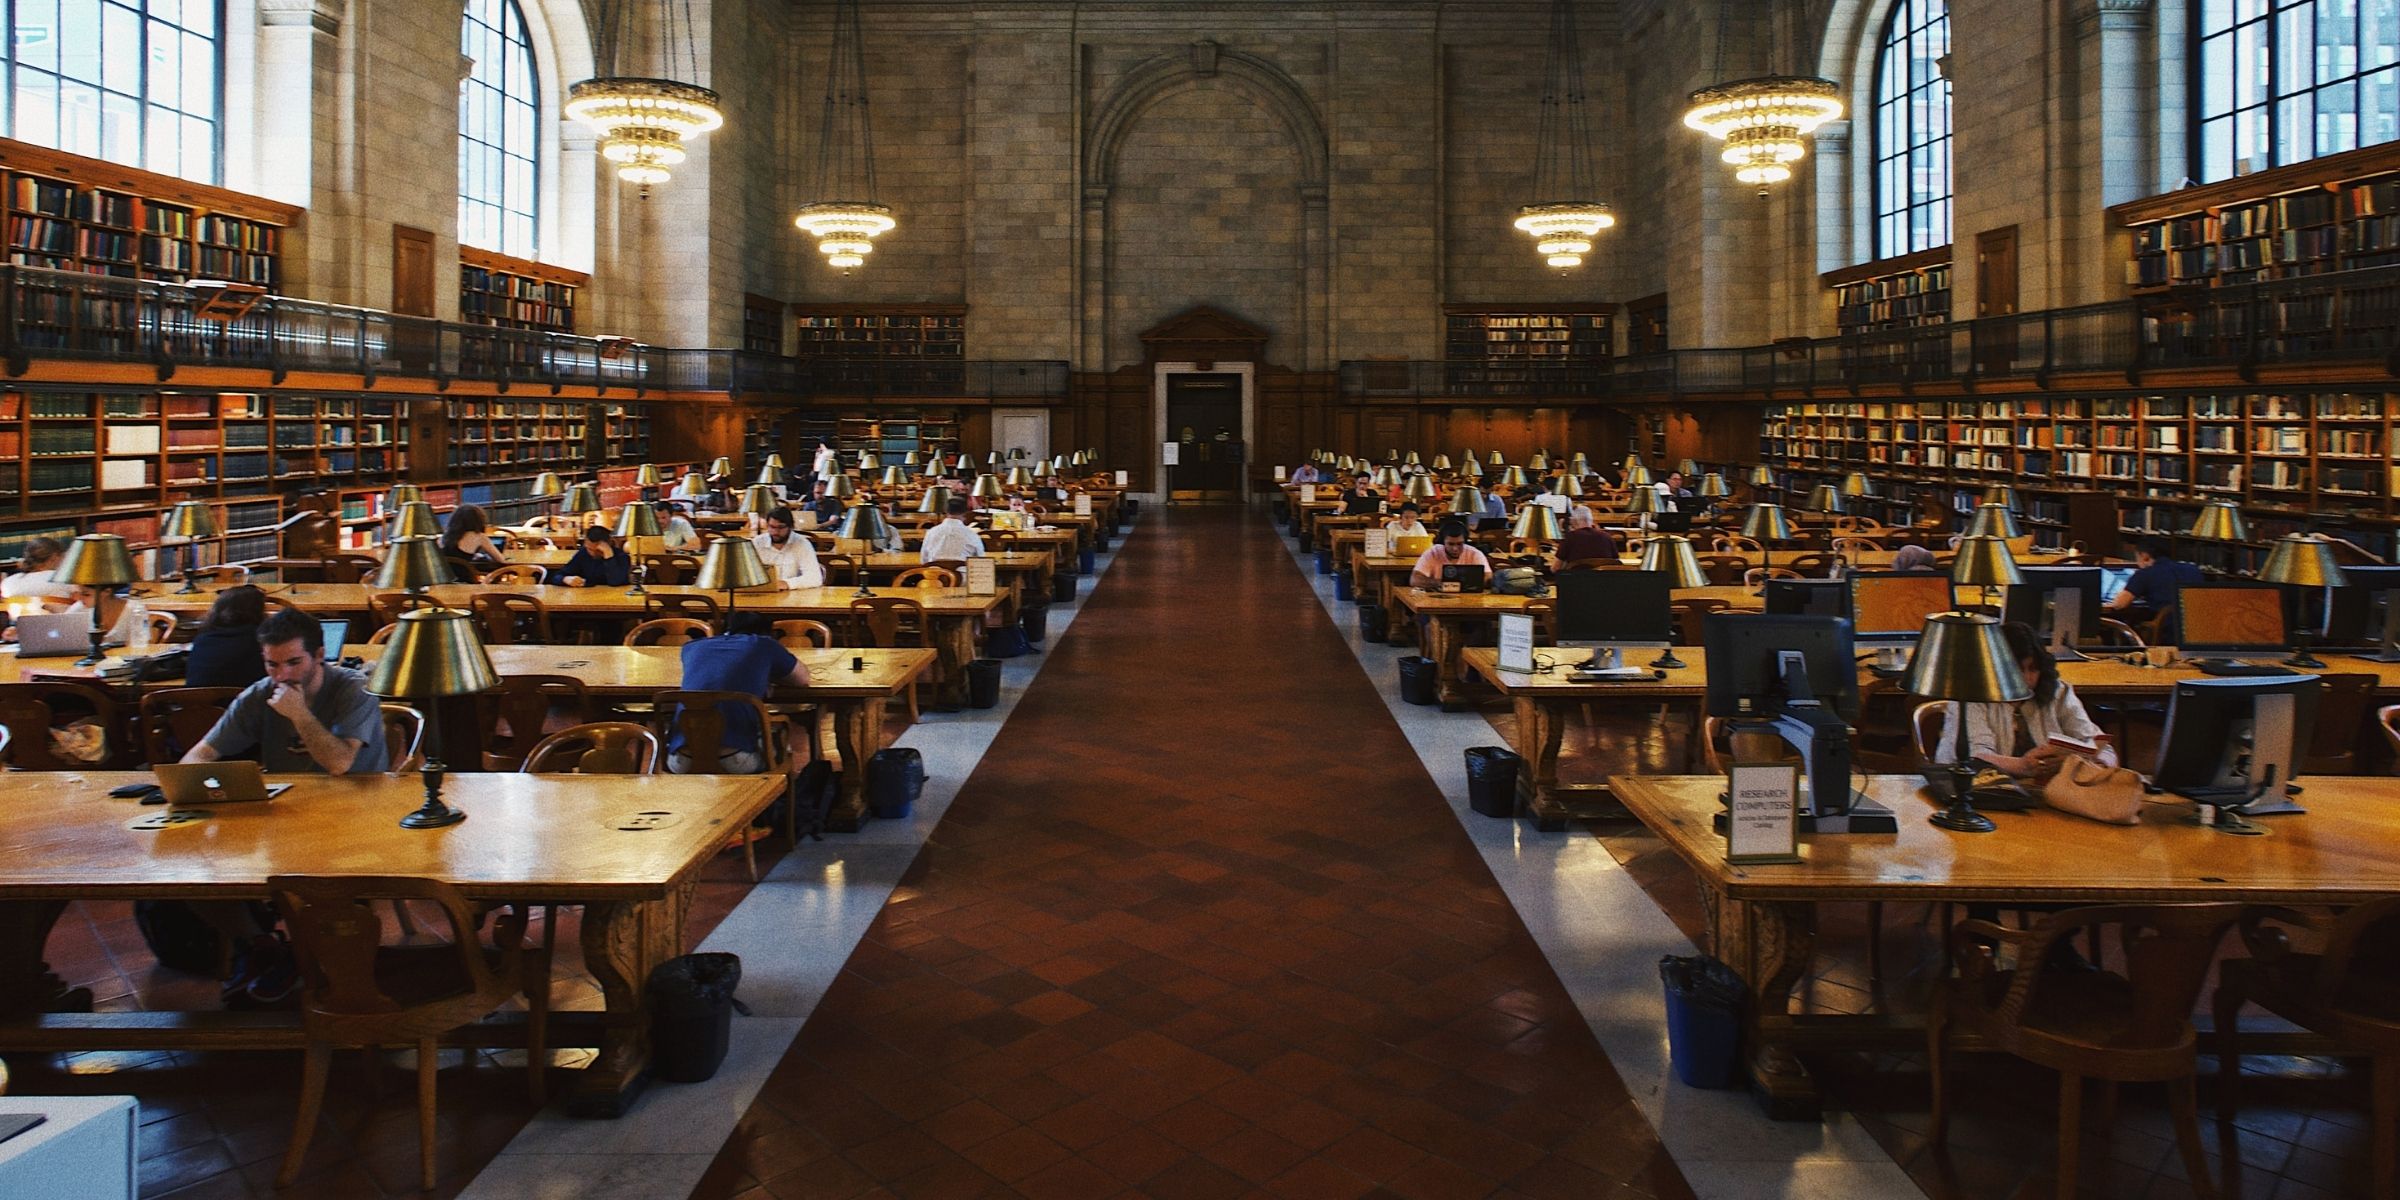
x=1672, y=522
x=1746, y=655
x=1615, y=608
x=2034, y=601
x=2361, y=604
x=2113, y=581
x=2238, y=618
x=1891, y=606
x=337, y=633
x=1808, y=597
x=2246, y=734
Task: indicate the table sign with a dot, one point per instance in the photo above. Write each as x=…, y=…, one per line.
x=1763, y=801
x=1308, y=493
x=1516, y=643
x=1379, y=543
x=1172, y=451
x=983, y=577
x=1083, y=505
x=1123, y=478
x=1281, y=473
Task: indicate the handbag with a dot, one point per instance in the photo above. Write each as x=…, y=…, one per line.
x=2111, y=795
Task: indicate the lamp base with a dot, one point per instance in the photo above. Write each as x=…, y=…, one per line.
x=1668, y=662
x=190, y=586
x=433, y=814
x=1959, y=816
x=2302, y=658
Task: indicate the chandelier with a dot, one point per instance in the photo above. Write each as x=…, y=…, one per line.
x=846, y=218
x=1564, y=218
x=1765, y=121
x=643, y=122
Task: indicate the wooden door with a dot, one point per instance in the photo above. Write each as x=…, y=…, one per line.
x=412, y=294
x=1204, y=420
x=1996, y=296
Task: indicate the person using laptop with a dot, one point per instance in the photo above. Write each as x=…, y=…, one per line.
x=2157, y=580
x=1305, y=473
x=1410, y=522
x=597, y=562
x=828, y=508
x=676, y=531
x=306, y=715
x=225, y=651
x=788, y=556
x=1585, y=539
x=1451, y=551
x=953, y=538
x=2015, y=739
x=1362, y=500
x=127, y=618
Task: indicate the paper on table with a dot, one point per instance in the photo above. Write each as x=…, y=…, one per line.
x=1761, y=800
x=1083, y=505
x=983, y=577
x=1308, y=493
x=1516, y=643
x=1123, y=478
x=1171, y=450
x=1379, y=543
x=1281, y=472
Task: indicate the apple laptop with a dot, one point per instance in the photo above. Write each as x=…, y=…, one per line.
x=54, y=635
x=225, y=782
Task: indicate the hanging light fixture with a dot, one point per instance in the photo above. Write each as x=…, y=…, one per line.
x=845, y=217
x=1565, y=214
x=1764, y=121
x=643, y=122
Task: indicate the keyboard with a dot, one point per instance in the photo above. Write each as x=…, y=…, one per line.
x=2230, y=669
x=1612, y=675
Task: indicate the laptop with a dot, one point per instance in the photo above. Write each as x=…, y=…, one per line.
x=336, y=633
x=225, y=782
x=54, y=635
x=1469, y=578
x=2112, y=581
x=1411, y=547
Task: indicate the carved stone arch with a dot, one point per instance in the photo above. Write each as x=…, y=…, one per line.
x=1846, y=168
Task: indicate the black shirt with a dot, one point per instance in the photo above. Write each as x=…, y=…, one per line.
x=1356, y=505
x=614, y=571
x=225, y=657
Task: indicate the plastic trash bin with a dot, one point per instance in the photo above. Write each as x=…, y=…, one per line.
x=691, y=1015
x=1704, y=1020
x=1062, y=588
x=1418, y=682
x=1491, y=776
x=1324, y=562
x=1034, y=619
x=1088, y=562
x=983, y=683
x=1371, y=623
x=895, y=777
x=1006, y=641
x=1341, y=588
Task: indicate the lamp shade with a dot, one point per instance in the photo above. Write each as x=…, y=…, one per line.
x=1961, y=656
x=639, y=519
x=1413, y=460
x=1632, y=460
x=402, y=493
x=1385, y=477
x=1567, y=485
x=910, y=459
x=2221, y=521
x=549, y=484
x=1347, y=463
x=1081, y=459
x=775, y=461
x=1539, y=464
x=1687, y=467
x=98, y=560
x=413, y=564
x=1579, y=465
x=2302, y=560
x=732, y=562
x=1471, y=469
x=1418, y=487
x=2002, y=495
x=863, y=523
x=868, y=461
x=760, y=499
x=582, y=498
x=1825, y=498
x=1856, y=483
x=646, y=476
x=936, y=500
x=1673, y=554
x=1643, y=499
x=721, y=466
x=415, y=519
x=1514, y=477
x=1985, y=561
x=895, y=477
x=987, y=487
x=932, y=466
x=840, y=488
x=1537, y=522
x=189, y=519
x=1467, y=500
x=1019, y=477
x=1994, y=520
x=1441, y=462
x=770, y=474
x=1498, y=461
x=992, y=459
x=433, y=652
x=1712, y=487
x=693, y=487
x=1762, y=476
x=1469, y=456
x=1637, y=476
x=1766, y=523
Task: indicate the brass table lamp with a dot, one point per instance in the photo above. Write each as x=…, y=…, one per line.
x=1418, y=487
x=2303, y=560
x=1567, y=485
x=1762, y=477
x=987, y=487
x=1962, y=657
x=770, y=474
x=1637, y=476
x=1413, y=460
x=1642, y=501
x=582, y=500
x=869, y=461
x=1441, y=463
x=935, y=501
x=1497, y=460
x=646, y=477
x=1537, y=523
x=1470, y=469
x=402, y=493
x=1856, y=483
x=1514, y=477
x=2221, y=521
x=721, y=466
x=2002, y=495
x=101, y=562
x=758, y=500
x=415, y=519
x=638, y=519
x=1539, y=464
x=1985, y=562
x=773, y=460
x=1580, y=465
x=895, y=477
x=1673, y=555
x=1019, y=477
x=189, y=520
x=413, y=564
x=1467, y=501
x=864, y=523
x=434, y=653
x=1994, y=520
x=1688, y=469
x=840, y=488
x=1713, y=487
x=693, y=487
x=1766, y=525
x=1825, y=498
x=548, y=484
x=732, y=563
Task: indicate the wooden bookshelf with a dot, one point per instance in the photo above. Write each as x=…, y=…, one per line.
x=933, y=337
x=1908, y=292
x=2337, y=213
x=1646, y=325
x=1531, y=333
x=894, y=434
x=762, y=325
x=72, y=213
x=520, y=434
x=516, y=293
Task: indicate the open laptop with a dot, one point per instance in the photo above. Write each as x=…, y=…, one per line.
x=1468, y=578
x=336, y=633
x=226, y=782
x=1413, y=546
x=54, y=635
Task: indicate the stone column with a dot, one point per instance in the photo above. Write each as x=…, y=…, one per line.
x=2122, y=133
x=1316, y=302
x=1843, y=208
x=297, y=76
x=1095, y=277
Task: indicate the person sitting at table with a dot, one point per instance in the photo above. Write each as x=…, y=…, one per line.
x=126, y=617
x=225, y=651
x=1362, y=500
x=1913, y=558
x=1585, y=539
x=745, y=658
x=2015, y=738
x=828, y=508
x=2157, y=580
x=305, y=715
x=1538, y=492
x=953, y=538
x=676, y=530
x=788, y=556
x=467, y=543
x=1495, y=503
x=597, y=562
x=36, y=563
x=1672, y=493
x=1305, y=473
x=1451, y=551
x=1408, y=524
x=825, y=461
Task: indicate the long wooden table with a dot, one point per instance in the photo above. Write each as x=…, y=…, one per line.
x=551, y=839
x=1447, y=613
x=1763, y=918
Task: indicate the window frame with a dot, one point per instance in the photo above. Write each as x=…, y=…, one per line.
x=513, y=14
x=2274, y=99
x=1882, y=158
x=215, y=117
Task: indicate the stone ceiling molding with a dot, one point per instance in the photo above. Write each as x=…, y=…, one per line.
x=1167, y=74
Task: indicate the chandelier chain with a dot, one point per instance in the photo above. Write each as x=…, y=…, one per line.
x=846, y=131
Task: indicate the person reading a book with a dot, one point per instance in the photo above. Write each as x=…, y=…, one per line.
x=2033, y=738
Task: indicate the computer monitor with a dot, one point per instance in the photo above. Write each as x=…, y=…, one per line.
x=1749, y=653
x=1890, y=607
x=1675, y=521
x=2113, y=581
x=2237, y=742
x=336, y=634
x=1808, y=598
x=2364, y=611
x=2237, y=618
x=2060, y=604
x=1608, y=611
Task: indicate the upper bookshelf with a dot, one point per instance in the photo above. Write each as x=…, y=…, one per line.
x=71, y=213
x=516, y=293
x=936, y=331
x=762, y=325
x=1536, y=333
x=2337, y=213
x=1646, y=325
x=1894, y=293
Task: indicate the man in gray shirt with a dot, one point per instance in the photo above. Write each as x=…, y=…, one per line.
x=305, y=715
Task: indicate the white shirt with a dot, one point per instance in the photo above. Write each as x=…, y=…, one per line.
x=822, y=465
x=1401, y=529
x=1991, y=728
x=794, y=562
x=35, y=583
x=134, y=616
x=952, y=539
x=679, y=533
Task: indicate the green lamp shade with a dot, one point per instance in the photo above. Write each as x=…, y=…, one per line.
x=639, y=519
x=96, y=560
x=433, y=652
x=413, y=564
x=730, y=563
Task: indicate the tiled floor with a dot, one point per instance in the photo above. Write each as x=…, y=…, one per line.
x=1199, y=925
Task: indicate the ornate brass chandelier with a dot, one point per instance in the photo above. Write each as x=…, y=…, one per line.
x=1564, y=217
x=1764, y=121
x=845, y=217
x=643, y=122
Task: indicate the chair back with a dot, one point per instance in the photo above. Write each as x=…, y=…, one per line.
x=337, y=940
x=508, y=618
x=698, y=608
x=1818, y=564
x=2167, y=951
x=31, y=710
x=516, y=712
x=386, y=607
x=1757, y=577
x=926, y=576
x=889, y=621
x=701, y=717
x=403, y=729
x=1689, y=615
x=2387, y=719
x=382, y=636
x=1734, y=543
x=668, y=631
x=840, y=570
x=223, y=575
x=596, y=748
x=173, y=720
x=1925, y=724
x=517, y=573
x=1545, y=621
x=163, y=627
x=1852, y=547
x=463, y=569
x=2343, y=701
x=802, y=634
x=672, y=569
x=1723, y=570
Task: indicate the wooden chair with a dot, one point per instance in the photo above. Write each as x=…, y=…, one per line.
x=163, y=627
x=597, y=748
x=801, y=634
x=356, y=991
x=1724, y=570
x=335, y=568
x=517, y=573
x=1925, y=725
x=1690, y=615
x=385, y=607
x=511, y=618
x=2346, y=989
x=889, y=621
x=2343, y=702
x=698, y=608
x=463, y=569
x=926, y=576
x=403, y=732
x=668, y=631
x=31, y=710
x=173, y=720
x=841, y=570
x=517, y=714
x=672, y=569
x=1851, y=547
x=699, y=717
x=224, y=575
x=2133, y=1027
x=2114, y=632
x=2387, y=719
x=1756, y=577
x=1818, y=564
x=1734, y=543
x=382, y=636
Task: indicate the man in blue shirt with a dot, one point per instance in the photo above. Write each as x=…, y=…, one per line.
x=2157, y=579
x=742, y=659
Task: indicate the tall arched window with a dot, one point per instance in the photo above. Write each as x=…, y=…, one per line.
x=131, y=81
x=497, y=132
x=2280, y=81
x=1912, y=129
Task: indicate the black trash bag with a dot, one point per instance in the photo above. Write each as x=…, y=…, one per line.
x=1062, y=588
x=1006, y=641
x=691, y=1015
x=1371, y=622
x=983, y=683
x=894, y=779
x=1034, y=619
x=1704, y=1019
x=1492, y=780
x=1419, y=682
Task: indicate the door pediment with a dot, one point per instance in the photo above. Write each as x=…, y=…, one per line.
x=1205, y=336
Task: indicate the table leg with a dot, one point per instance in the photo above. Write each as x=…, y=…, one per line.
x=1770, y=945
x=1539, y=733
x=857, y=735
x=954, y=648
x=1441, y=646
x=27, y=984
x=623, y=941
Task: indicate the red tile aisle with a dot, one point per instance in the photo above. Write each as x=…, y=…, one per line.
x=1199, y=924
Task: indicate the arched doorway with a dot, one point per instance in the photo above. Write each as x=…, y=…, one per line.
x=1203, y=366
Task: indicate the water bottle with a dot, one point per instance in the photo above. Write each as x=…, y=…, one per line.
x=139, y=639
